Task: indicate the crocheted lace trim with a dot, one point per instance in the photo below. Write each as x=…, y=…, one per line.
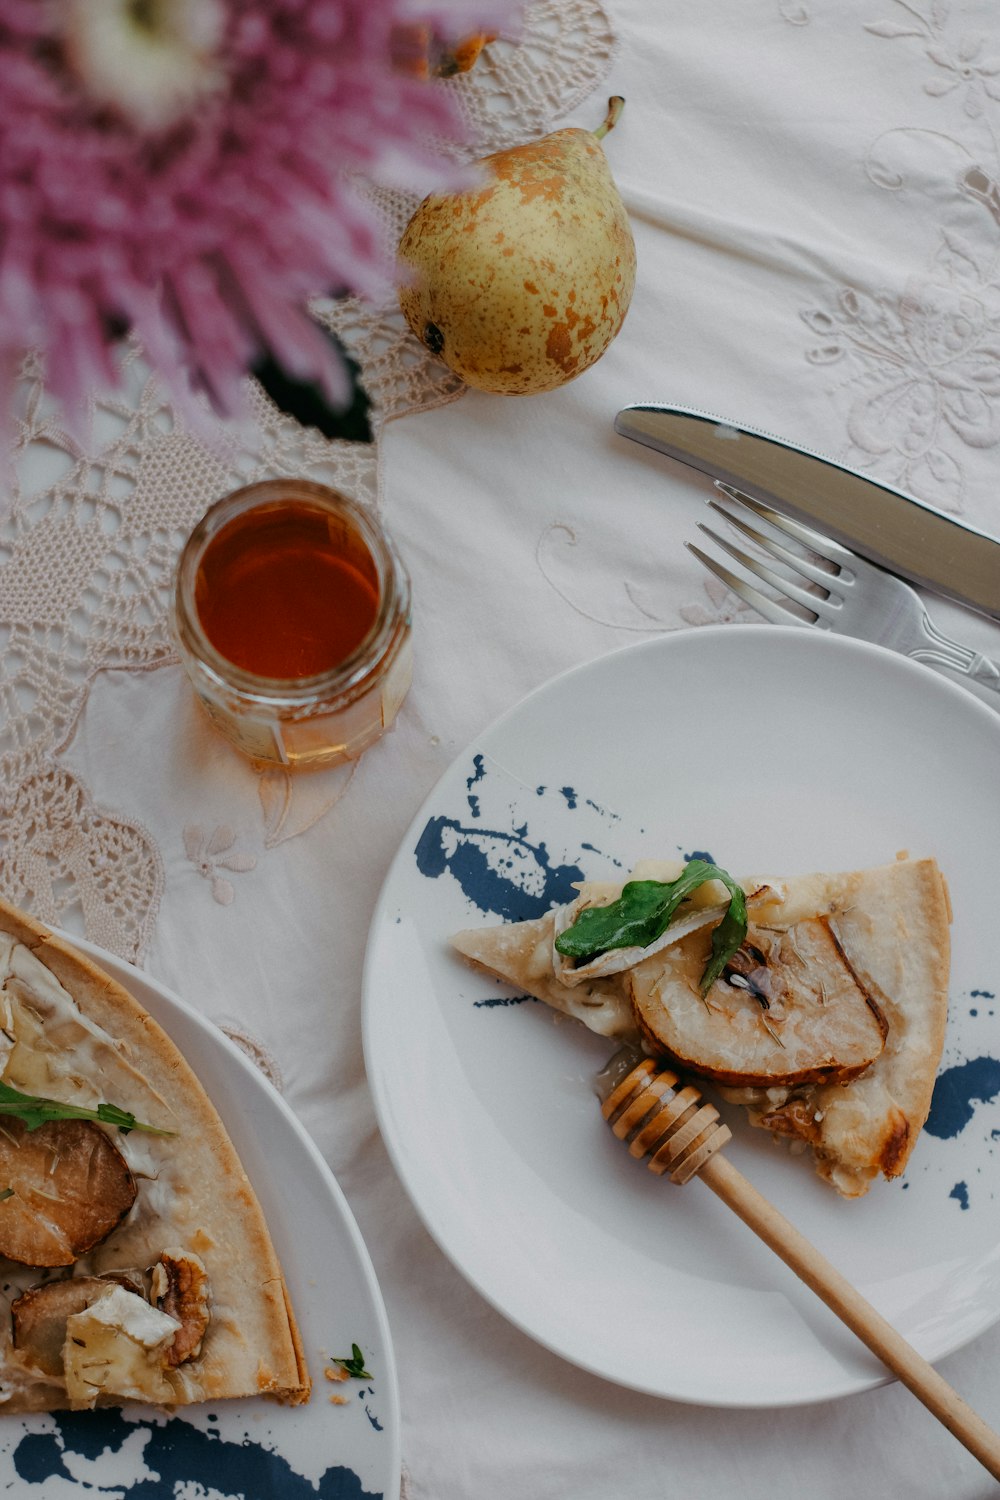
x=89, y=544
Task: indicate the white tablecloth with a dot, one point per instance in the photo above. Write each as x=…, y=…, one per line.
x=812, y=185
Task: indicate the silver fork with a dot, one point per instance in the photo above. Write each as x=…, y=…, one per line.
x=849, y=595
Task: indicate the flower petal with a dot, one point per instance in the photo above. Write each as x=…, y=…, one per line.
x=223, y=837
x=194, y=839
x=237, y=862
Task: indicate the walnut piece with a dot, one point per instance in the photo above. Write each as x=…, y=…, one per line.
x=180, y=1288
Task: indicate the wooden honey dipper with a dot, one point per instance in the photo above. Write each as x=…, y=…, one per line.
x=665, y=1120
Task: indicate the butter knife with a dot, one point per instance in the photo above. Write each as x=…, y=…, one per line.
x=886, y=525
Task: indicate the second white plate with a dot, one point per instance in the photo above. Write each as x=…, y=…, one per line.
x=765, y=748
x=254, y=1446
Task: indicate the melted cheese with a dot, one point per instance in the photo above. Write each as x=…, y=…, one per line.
x=115, y=1347
x=52, y=1040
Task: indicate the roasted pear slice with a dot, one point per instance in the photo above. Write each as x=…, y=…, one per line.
x=788, y=1009
x=69, y=1186
x=39, y=1317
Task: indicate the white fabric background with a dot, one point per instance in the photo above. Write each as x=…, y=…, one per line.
x=793, y=187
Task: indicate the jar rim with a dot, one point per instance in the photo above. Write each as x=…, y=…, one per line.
x=353, y=669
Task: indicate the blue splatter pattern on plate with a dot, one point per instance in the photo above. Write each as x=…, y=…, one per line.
x=508, y=874
x=131, y=1458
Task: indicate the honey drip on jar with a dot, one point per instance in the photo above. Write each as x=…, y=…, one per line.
x=286, y=591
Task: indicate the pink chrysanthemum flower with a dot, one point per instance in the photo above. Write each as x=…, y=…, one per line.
x=180, y=169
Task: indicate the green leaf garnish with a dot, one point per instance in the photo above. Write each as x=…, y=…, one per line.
x=5, y=1194
x=35, y=1110
x=644, y=911
x=354, y=1364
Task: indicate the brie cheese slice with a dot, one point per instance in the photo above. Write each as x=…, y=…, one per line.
x=115, y=1347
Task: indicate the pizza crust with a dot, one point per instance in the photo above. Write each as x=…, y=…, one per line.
x=193, y=1191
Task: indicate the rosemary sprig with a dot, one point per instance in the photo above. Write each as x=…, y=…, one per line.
x=354, y=1365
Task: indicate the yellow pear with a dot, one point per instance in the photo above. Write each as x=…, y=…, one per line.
x=521, y=283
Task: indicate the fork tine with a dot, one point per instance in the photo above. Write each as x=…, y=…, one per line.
x=814, y=540
x=821, y=608
x=792, y=559
x=769, y=608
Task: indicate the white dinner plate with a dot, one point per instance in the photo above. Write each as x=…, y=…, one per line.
x=252, y=1447
x=768, y=749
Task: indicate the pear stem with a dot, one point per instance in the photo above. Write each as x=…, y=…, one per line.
x=615, y=106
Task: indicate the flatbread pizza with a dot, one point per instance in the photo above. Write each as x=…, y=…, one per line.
x=137, y=1265
x=824, y=1016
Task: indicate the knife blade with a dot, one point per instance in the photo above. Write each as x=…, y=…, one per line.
x=892, y=528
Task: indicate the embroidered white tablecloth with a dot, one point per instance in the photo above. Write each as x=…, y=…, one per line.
x=813, y=189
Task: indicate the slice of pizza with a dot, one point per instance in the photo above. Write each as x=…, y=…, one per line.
x=136, y=1262
x=825, y=1018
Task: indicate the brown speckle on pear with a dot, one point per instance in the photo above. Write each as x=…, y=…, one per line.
x=525, y=280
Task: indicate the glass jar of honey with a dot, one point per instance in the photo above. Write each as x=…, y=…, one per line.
x=292, y=618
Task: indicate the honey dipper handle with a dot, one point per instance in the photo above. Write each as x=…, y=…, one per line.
x=847, y=1302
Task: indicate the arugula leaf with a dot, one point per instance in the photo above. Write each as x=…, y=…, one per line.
x=5, y=1194
x=644, y=911
x=34, y=1110
x=353, y=1364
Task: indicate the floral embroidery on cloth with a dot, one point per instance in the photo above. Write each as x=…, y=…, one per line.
x=292, y=803
x=922, y=365
x=211, y=853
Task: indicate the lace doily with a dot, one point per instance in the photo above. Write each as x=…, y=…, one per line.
x=88, y=547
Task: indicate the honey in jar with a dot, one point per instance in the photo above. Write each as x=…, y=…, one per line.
x=292, y=619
